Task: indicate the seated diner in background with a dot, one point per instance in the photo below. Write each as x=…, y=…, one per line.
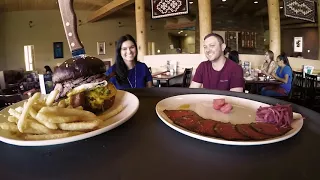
x=234, y=56
x=227, y=51
x=218, y=72
x=128, y=72
x=48, y=69
x=284, y=75
x=269, y=65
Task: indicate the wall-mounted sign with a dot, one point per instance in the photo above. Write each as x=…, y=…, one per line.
x=58, y=50
x=167, y=8
x=297, y=44
x=101, y=48
x=300, y=9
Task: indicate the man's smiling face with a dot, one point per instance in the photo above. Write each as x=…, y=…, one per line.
x=213, y=48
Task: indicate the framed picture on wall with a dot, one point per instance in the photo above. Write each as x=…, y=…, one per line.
x=58, y=50
x=101, y=48
x=298, y=44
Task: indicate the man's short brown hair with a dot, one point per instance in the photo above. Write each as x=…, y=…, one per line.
x=220, y=38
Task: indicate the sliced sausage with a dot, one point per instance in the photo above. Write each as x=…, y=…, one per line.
x=189, y=123
x=206, y=127
x=246, y=130
x=269, y=129
x=284, y=130
x=226, y=108
x=218, y=103
x=229, y=132
x=173, y=114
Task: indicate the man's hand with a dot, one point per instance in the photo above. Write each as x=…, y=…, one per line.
x=195, y=85
x=237, y=89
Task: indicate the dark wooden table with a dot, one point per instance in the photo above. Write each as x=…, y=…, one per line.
x=165, y=76
x=144, y=148
x=255, y=84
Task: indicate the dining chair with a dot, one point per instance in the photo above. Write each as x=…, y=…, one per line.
x=298, y=87
x=311, y=95
x=10, y=90
x=186, y=78
x=7, y=100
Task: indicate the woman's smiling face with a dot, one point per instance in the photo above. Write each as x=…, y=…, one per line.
x=128, y=51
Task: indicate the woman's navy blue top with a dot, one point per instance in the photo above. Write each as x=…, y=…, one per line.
x=138, y=76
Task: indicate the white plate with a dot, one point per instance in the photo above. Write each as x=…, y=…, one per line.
x=130, y=101
x=249, y=78
x=243, y=112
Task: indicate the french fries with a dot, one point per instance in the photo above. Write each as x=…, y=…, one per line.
x=62, y=104
x=22, y=118
x=52, y=96
x=112, y=113
x=44, y=119
x=80, y=126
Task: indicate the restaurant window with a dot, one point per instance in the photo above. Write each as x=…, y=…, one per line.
x=29, y=57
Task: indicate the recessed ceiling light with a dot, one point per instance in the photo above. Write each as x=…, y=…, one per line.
x=179, y=32
x=186, y=34
x=281, y=7
x=256, y=2
x=190, y=2
x=224, y=0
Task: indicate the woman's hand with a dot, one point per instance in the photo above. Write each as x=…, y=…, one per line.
x=284, y=80
x=274, y=75
x=264, y=72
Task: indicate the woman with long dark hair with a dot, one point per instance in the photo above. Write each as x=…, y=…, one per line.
x=48, y=69
x=128, y=71
x=269, y=65
x=284, y=75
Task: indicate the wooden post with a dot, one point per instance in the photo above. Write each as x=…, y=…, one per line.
x=141, y=28
x=274, y=26
x=318, y=29
x=204, y=20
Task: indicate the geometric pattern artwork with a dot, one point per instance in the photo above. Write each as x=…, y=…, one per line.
x=300, y=9
x=167, y=8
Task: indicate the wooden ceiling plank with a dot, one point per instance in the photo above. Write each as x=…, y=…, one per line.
x=238, y=6
x=261, y=12
x=264, y=11
x=292, y=21
x=180, y=25
x=109, y=8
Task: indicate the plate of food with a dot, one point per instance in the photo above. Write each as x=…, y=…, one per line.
x=229, y=120
x=84, y=104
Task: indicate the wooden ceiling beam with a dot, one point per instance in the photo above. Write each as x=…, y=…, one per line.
x=298, y=26
x=291, y=21
x=109, y=8
x=172, y=20
x=264, y=10
x=189, y=16
x=180, y=25
x=238, y=6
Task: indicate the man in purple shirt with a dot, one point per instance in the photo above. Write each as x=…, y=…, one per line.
x=218, y=72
